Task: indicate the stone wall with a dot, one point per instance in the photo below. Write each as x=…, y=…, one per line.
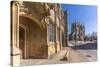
x=35, y=42
x=53, y=48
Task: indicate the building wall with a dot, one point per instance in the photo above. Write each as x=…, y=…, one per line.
x=77, y=31
x=38, y=14
x=15, y=52
x=35, y=40
x=32, y=20
x=55, y=19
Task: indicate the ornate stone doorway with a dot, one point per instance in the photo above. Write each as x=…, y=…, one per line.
x=32, y=39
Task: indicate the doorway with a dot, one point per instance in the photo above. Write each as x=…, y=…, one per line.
x=22, y=41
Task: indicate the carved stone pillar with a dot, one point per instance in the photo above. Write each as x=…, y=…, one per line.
x=15, y=52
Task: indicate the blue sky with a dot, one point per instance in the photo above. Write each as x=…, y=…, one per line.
x=86, y=14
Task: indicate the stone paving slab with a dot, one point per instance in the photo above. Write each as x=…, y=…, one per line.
x=77, y=57
x=74, y=57
x=56, y=59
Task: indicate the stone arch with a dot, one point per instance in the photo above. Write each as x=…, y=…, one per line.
x=33, y=19
x=34, y=38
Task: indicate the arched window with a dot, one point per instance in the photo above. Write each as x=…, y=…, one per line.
x=51, y=32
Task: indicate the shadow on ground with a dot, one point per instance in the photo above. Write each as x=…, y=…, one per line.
x=88, y=46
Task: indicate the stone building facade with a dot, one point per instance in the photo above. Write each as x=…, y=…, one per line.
x=37, y=30
x=77, y=31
